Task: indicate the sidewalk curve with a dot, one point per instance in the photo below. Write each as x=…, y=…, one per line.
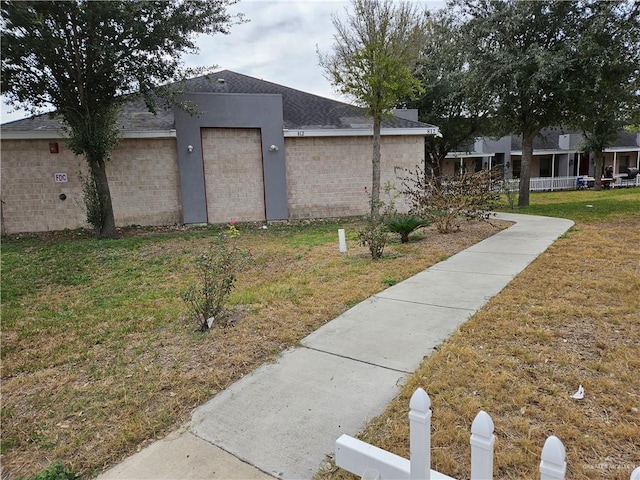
x=283, y=419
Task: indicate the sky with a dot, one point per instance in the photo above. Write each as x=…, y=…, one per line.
x=279, y=44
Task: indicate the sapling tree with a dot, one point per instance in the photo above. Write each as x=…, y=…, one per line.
x=375, y=53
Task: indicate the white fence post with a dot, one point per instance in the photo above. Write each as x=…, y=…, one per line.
x=482, y=441
x=373, y=463
x=553, y=465
x=370, y=474
x=420, y=435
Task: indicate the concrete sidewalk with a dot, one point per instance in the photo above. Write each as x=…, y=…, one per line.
x=283, y=419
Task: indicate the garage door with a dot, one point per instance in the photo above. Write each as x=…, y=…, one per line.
x=234, y=181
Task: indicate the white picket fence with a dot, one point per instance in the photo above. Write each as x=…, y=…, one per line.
x=373, y=463
x=553, y=183
x=545, y=184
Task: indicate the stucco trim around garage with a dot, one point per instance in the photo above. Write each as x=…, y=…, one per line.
x=262, y=111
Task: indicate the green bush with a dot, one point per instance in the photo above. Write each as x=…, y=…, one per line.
x=55, y=471
x=404, y=225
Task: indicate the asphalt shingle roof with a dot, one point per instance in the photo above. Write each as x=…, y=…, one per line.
x=301, y=110
x=547, y=139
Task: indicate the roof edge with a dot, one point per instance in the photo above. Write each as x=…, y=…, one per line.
x=353, y=132
x=60, y=134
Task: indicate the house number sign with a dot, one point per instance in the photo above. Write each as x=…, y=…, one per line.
x=60, y=178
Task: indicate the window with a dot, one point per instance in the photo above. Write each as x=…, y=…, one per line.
x=516, y=165
x=623, y=163
x=545, y=167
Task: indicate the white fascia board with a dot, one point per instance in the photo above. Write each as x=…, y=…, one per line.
x=34, y=135
x=61, y=134
x=355, y=132
x=454, y=155
x=546, y=152
x=149, y=134
x=630, y=148
x=622, y=149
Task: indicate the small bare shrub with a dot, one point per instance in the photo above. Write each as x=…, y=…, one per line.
x=509, y=188
x=445, y=200
x=216, y=269
x=375, y=233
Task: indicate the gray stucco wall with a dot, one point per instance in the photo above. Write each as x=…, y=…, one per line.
x=230, y=111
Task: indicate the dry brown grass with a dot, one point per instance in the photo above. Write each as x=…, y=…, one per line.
x=572, y=317
x=95, y=371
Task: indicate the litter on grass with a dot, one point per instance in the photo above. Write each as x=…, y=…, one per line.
x=579, y=395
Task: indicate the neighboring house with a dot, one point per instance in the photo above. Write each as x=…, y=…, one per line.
x=556, y=153
x=255, y=151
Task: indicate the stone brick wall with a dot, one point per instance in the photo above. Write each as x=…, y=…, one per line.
x=145, y=182
x=233, y=174
x=30, y=196
x=143, y=176
x=326, y=176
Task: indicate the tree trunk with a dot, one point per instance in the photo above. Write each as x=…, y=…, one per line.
x=525, y=168
x=375, y=164
x=98, y=170
x=598, y=170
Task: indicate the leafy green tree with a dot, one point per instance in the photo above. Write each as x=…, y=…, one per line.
x=374, y=58
x=83, y=58
x=447, y=98
x=609, y=53
x=523, y=59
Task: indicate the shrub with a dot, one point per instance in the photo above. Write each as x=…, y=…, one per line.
x=375, y=233
x=509, y=188
x=216, y=269
x=55, y=471
x=404, y=225
x=445, y=200
x=374, y=236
